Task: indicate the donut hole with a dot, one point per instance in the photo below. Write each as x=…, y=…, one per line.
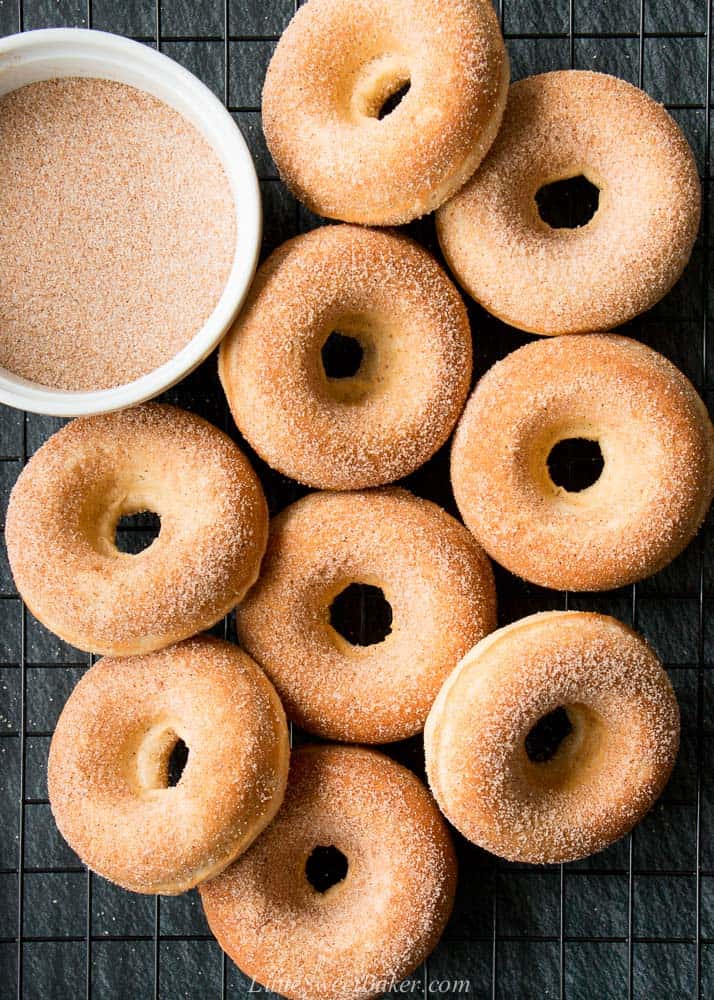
x=569, y=203
x=545, y=738
x=356, y=358
x=392, y=102
x=361, y=614
x=575, y=464
x=342, y=355
x=137, y=531
x=178, y=759
x=325, y=867
x=380, y=87
x=159, y=758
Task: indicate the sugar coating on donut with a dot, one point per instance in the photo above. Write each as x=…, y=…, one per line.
x=606, y=774
x=553, y=281
x=333, y=68
x=657, y=444
x=374, y=927
x=390, y=295
x=435, y=577
x=108, y=764
x=66, y=504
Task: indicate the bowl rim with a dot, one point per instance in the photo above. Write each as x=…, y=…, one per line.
x=226, y=139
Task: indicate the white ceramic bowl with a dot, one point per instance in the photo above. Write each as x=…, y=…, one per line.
x=56, y=52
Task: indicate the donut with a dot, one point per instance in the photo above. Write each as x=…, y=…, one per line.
x=108, y=770
x=68, y=500
x=432, y=573
x=392, y=300
x=558, y=126
x=530, y=798
x=326, y=104
x=656, y=443
x=351, y=939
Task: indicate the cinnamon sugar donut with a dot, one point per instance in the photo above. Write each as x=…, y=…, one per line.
x=109, y=760
x=605, y=774
x=437, y=580
x=551, y=281
x=368, y=930
x=657, y=445
x=390, y=296
x=68, y=500
x=334, y=70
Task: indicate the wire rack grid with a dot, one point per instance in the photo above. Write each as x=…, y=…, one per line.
x=635, y=921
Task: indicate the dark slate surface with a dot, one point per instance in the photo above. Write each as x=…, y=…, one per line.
x=623, y=923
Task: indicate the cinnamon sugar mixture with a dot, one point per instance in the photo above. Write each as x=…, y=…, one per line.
x=117, y=232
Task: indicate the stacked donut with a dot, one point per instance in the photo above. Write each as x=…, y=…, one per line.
x=330, y=872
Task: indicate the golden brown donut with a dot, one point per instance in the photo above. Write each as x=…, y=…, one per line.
x=337, y=64
x=69, y=498
x=551, y=281
x=370, y=929
x=605, y=774
x=437, y=580
x=379, y=425
x=656, y=441
x=108, y=764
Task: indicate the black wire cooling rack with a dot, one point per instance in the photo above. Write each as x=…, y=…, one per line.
x=636, y=921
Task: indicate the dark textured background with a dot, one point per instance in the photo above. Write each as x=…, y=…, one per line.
x=634, y=921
